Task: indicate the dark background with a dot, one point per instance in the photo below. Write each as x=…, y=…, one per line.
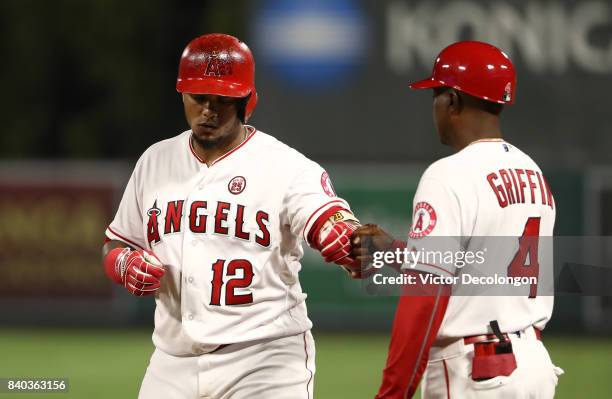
x=95, y=79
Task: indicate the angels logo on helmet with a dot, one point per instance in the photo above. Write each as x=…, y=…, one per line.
x=218, y=64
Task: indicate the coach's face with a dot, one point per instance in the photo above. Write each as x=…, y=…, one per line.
x=213, y=119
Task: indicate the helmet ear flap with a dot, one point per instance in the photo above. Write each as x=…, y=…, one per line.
x=250, y=105
x=246, y=106
x=242, y=106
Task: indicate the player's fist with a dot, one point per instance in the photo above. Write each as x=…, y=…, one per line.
x=138, y=271
x=335, y=242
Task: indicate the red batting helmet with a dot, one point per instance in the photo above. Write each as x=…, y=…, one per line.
x=476, y=68
x=218, y=64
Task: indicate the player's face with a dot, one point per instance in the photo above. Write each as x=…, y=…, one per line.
x=213, y=119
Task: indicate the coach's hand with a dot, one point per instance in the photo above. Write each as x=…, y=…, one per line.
x=368, y=239
x=138, y=271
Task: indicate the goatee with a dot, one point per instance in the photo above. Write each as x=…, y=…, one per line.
x=207, y=144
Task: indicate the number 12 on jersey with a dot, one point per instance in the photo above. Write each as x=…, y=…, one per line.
x=522, y=265
x=231, y=298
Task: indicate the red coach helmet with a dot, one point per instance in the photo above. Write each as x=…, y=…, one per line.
x=476, y=68
x=218, y=64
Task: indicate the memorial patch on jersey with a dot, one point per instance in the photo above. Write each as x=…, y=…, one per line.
x=327, y=185
x=237, y=185
x=423, y=221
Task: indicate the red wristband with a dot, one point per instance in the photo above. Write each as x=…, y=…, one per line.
x=111, y=266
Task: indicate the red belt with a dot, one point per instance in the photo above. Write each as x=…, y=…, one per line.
x=491, y=337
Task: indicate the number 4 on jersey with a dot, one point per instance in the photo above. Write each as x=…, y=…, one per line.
x=525, y=261
x=231, y=298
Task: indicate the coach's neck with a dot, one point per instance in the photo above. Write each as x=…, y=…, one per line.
x=472, y=125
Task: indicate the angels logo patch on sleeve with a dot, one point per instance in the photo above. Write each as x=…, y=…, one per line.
x=423, y=221
x=327, y=185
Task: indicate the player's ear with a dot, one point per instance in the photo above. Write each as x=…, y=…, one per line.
x=455, y=101
x=441, y=99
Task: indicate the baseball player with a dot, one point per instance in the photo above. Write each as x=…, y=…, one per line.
x=211, y=223
x=472, y=346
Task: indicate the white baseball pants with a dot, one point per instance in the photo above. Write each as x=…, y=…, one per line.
x=448, y=373
x=280, y=368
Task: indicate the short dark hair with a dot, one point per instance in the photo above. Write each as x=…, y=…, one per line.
x=490, y=107
x=484, y=105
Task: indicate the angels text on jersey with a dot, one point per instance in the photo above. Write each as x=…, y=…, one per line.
x=206, y=217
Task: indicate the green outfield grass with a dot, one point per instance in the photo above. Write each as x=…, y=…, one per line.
x=110, y=364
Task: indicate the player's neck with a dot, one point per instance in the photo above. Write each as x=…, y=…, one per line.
x=466, y=140
x=210, y=154
x=476, y=129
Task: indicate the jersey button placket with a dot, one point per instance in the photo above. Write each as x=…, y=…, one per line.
x=190, y=244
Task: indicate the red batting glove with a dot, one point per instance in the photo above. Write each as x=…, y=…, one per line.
x=138, y=271
x=335, y=245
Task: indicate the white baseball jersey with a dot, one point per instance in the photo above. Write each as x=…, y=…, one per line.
x=229, y=236
x=488, y=195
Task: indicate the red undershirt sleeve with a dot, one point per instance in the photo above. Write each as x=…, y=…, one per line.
x=418, y=317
